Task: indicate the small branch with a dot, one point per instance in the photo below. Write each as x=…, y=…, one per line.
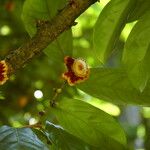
x=37, y=125
x=57, y=92
x=46, y=33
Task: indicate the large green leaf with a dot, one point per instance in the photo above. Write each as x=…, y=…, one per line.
x=109, y=26
x=136, y=56
x=62, y=140
x=113, y=85
x=90, y=124
x=139, y=9
x=19, y=139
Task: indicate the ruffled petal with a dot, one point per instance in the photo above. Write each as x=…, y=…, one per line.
x=3, y=72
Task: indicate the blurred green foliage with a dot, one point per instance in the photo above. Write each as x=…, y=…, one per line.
x=30, y=89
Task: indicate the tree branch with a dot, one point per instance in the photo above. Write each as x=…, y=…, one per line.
x=46, y=33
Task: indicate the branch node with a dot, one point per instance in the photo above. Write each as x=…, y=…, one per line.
x=40, y=23
x=59, y=10
x=42, y=113
x=53, y=103
x=73, y=4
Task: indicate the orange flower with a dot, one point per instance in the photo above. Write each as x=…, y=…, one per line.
x=78, y=70
x=3, y=72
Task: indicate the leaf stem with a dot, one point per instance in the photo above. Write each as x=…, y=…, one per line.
x=57, y=92
x=36, y=125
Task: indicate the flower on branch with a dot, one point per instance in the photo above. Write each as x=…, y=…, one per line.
x=3, y=72
x=78, y=70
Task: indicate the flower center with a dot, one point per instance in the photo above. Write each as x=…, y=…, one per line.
x=79, y=68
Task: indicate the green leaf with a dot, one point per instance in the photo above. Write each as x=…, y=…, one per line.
x=34, y=10
x=43, y=136
x=63, y=45
x=1, y=96
x=109, y=26
x=90, y=124
x=19, y=139
x=136, y=56
x=63, y=140
x=113, y=85
x=57, y=50
x=140, y=9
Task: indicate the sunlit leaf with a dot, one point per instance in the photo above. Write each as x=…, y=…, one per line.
x=61, y=139
x=136, y=56
x=90, y=124
x=140, y=9
x=113, y=85
x=109, y=26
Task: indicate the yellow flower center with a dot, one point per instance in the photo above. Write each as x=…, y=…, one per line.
x=80, y=68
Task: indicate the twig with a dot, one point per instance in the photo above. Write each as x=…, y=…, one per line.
x=37, y=125
x=57, y=92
